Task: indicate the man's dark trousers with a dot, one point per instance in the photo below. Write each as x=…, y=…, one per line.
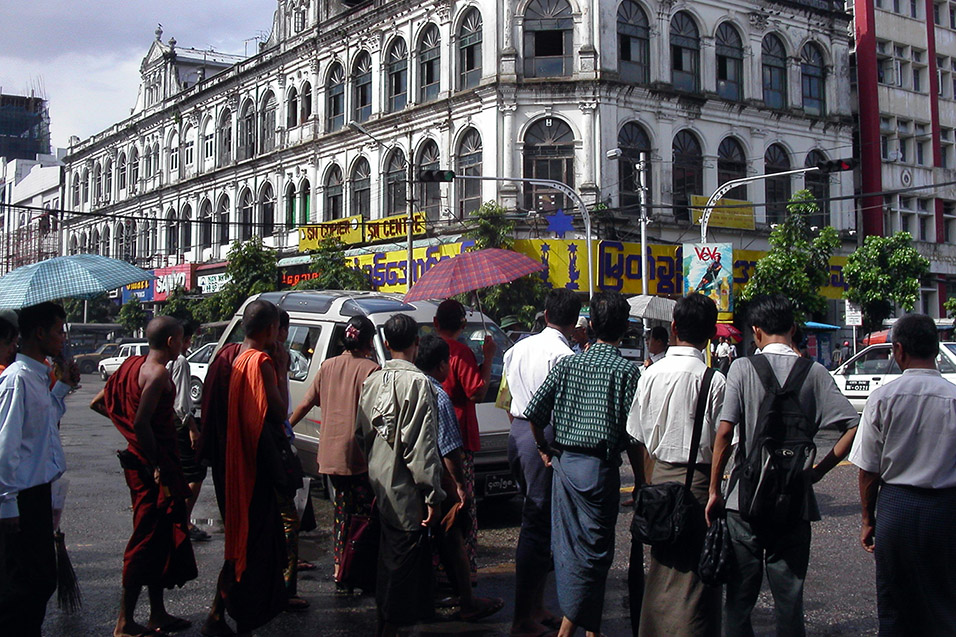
x=28, y=565
x=533, y=554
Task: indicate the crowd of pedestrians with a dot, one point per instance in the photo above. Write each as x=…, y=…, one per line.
x=398, y=441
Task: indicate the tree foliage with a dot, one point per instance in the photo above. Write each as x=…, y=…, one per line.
x=334, y=274
x=950, y=306
x=100, y=309
x=251, y=269
x=132, y=316
x=179, y=304
x=798, y=263
x=882, y=271
x=489, y=227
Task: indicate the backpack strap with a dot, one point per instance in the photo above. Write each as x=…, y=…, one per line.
x=798, y=374
x=699, y=413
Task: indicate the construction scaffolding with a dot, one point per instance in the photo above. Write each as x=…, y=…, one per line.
x=24, y=127
x=35, y=238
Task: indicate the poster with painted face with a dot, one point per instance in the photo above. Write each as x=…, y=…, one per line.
x=708, y=270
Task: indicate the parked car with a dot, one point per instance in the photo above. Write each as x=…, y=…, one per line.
x=198, y=364
x=317, y=331
x=109, y=365
x=874, y=367
x=88, y=362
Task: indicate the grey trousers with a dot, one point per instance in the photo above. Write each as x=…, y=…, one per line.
x=785, y=554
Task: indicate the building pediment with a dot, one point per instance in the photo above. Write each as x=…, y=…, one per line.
x=155, y=56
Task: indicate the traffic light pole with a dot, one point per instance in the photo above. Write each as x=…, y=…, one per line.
x=565, y=190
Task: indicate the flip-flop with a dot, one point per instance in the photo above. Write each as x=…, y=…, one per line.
x=297, y=605
x=495, y=604
x=305, y=566
x=176, y=625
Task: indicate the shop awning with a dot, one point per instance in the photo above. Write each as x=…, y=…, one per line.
x=820, y=327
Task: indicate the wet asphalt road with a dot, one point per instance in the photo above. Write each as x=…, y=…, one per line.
x=840, y=596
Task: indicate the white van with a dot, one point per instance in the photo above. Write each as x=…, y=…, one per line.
x=317, y=331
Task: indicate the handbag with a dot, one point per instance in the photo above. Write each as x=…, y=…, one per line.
x=358, y=567
x=716, y=556
x=663, y=513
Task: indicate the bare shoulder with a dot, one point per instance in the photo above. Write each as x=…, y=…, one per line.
x=151, y=373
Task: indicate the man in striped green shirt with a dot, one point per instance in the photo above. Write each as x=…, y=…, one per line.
x=587, y=397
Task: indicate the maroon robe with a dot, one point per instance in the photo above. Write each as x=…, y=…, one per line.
x=214, y=417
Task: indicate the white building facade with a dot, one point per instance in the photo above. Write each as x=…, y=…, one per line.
x=30, y=198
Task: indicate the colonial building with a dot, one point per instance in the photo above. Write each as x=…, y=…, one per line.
x=322, y=121
x=905, y=87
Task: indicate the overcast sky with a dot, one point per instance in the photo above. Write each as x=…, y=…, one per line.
x=84, y=55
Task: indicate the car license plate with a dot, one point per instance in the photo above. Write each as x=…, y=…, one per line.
x=500, y=484
x=857, y=385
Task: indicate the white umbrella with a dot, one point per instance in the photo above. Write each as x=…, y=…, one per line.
x=657, y=308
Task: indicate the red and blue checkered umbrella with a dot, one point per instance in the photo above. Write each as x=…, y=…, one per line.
x=472, y=271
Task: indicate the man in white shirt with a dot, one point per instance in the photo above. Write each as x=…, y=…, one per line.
x=905, y=450
x=31, y=458
x=526, y=365
x=723, y=355
x=656, y=345
x=662, y=419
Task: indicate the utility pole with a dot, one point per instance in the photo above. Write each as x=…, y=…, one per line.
x=642, y=190
x=410, y=211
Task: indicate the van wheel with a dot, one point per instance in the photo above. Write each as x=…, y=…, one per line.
x=195, y=390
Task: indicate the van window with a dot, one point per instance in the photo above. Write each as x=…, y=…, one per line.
x=301, y=344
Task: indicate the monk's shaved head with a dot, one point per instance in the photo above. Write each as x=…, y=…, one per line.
x=161, y=329
x=259, y=316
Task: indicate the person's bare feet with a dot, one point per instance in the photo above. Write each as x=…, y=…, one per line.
x=530, y=629
x=132, y=629
x=216, y=627
x=168, y=623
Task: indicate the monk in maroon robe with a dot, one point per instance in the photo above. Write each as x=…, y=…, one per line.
x=214, y=415
x=138, y=398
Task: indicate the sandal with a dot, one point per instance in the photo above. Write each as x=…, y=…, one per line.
x=303, y=565
x=493, y=605
x=296, y=605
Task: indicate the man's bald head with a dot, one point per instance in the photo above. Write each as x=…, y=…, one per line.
x=161, y=329
x=259, y=316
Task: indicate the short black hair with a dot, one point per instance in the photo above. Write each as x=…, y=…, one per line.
x=918, y=335
x=401, y=330
x=8, y=331
x=432, y=352
x=160, y=330
x=659, y=333
x=365, y=333
x=449, y=315
x=695, y=318
x=190, y=327
x=40, y=316
x=773, y=313
x=562, y=306
x=609, y=312
x=259, y=316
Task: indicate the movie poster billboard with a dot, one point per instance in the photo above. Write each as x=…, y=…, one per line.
x=708, y=270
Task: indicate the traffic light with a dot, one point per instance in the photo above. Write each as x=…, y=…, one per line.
x=837, y=165
x=436, y=175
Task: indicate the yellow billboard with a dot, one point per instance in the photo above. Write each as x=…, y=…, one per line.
x=348, y=231
x=727, y=213
x=396, y=227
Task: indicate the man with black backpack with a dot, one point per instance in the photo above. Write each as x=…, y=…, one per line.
x=780, y=401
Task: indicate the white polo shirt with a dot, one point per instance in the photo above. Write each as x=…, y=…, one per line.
x=528, y=362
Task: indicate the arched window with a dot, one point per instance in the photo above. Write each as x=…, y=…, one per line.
x=222, y=218
x=469, y=50
x=774, y=71
x=730, y=63
x=148, y=162
x=548, y=39
x=189, y=148
x=267, y=210
x=224, y=134
x=133, y=168
x=174, y=156
x=76, y=189
x=361, y=189
x=74, y=245
x=84, y=244
x=548, y=154
x=268, y=121
x=107, y=180
x=362, y=87
x=429, y=64
x=247, y=132
x=688, y=173
x=469, y=163
x=429, y=193
x=121, y=172
x=172, y=233
x=333, y=194
x=732, y=164
x=633, y=43
x=186, y=228
x=119, y=241
x=97, y=183
x=156, y=166
x=246, y=212
x=95, y=242
x=685, y=53
x=813, y=80
x=209, y=143
x=819, y=186
x=396, y=69
x=290, y=206
x=632, y=140
x=306, y=99
x=105, y=242
x=335, y=98
x=395, y=176
x=776, y=189
x=292, y=108
x=305, y=202
x=205, y=226
x=86, y=185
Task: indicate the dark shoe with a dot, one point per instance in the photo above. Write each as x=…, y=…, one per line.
x=198, y=535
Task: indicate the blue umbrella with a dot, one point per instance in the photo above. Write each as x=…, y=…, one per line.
x=77, y=276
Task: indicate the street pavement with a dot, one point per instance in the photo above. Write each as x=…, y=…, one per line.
x=840, y=596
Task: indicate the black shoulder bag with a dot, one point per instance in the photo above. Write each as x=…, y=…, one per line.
x=664, y=512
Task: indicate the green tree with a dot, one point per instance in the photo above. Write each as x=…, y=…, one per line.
x=179, y=304
x=881, y=271
x=489, y=227
x=950, y=306
x=798, y=263
x=132, y=316
x=251, y=269
x=100, y=309
x=334, y=274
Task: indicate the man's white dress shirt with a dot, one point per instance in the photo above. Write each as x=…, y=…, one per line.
x=527, y=364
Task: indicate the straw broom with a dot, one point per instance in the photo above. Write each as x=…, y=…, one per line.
x=67, y=588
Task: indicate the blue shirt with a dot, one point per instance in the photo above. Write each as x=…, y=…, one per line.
x=30, y=450
x=449, y=435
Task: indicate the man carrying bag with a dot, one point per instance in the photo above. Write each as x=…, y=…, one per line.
x=675, y=416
